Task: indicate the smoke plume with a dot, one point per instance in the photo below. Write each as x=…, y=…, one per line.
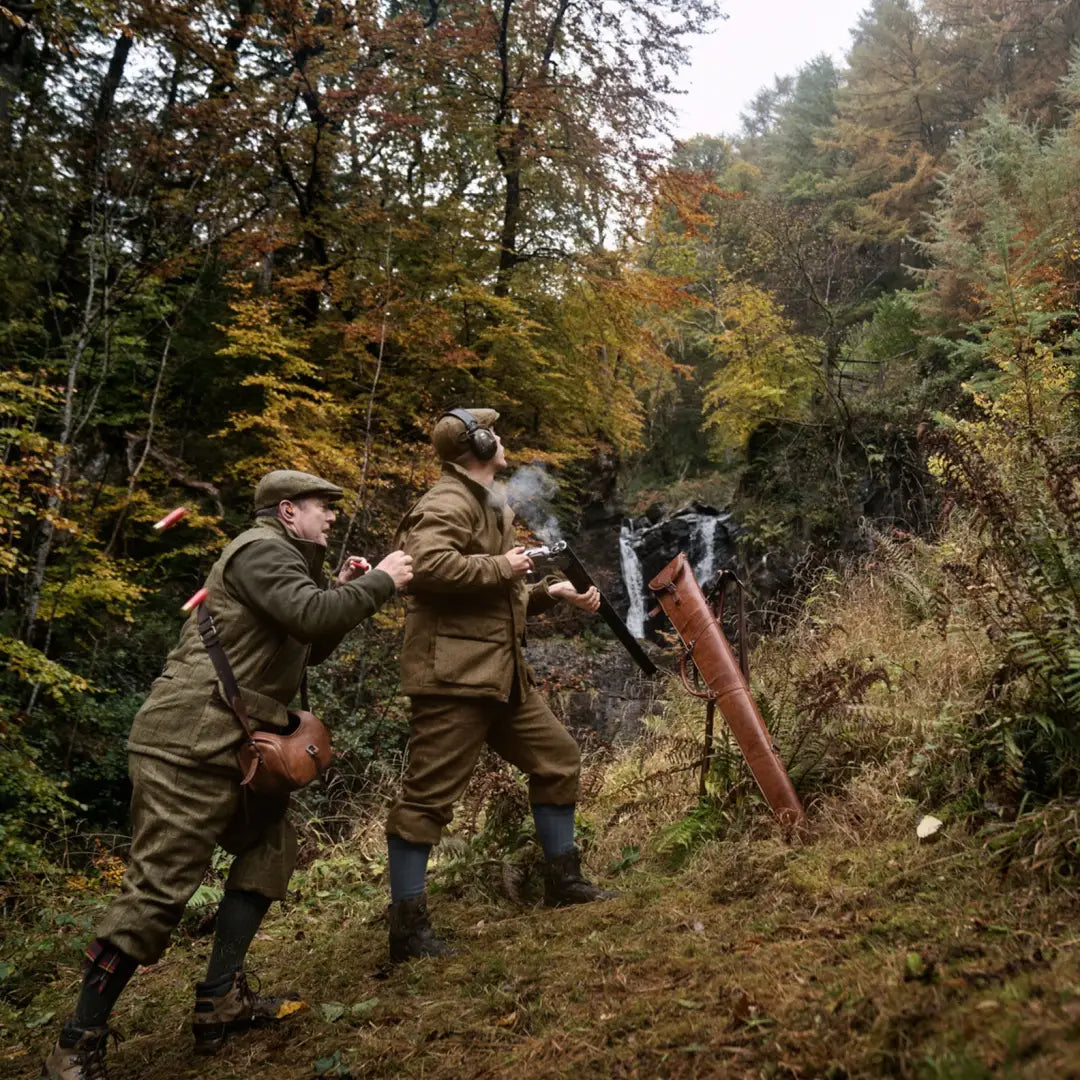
x=530, y=492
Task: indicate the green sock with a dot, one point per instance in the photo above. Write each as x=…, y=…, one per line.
x=238, y=919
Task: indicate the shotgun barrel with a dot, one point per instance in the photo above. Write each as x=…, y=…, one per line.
x=562, y=555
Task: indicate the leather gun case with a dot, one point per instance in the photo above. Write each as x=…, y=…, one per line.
x=685, y=605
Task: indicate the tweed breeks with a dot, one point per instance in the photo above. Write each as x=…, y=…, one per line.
x=179, y=814
x=447, y=736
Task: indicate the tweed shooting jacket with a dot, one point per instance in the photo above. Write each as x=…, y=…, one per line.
x=465, y=612
x=276, y=613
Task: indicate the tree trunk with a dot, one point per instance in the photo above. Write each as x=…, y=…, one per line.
x=95, y=146
x=510, y=147
x=61, y=471
x=16, y=49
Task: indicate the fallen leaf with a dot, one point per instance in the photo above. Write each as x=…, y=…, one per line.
x=287, y=1008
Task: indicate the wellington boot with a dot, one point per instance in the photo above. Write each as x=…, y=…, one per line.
x=79, y=1054
x=410, y=932
x=564, y=884
x=231, y=1005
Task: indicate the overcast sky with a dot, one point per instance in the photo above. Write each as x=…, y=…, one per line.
x=760, y=39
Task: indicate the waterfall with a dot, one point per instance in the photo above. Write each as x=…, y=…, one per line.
x=634, y=582
x=697, y=530
x=706, y=567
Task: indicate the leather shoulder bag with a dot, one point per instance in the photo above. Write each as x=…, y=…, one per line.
x=272, y=762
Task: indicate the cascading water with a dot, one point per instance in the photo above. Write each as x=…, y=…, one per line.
x=633, y=581
x=707, y=527
x=699, y=531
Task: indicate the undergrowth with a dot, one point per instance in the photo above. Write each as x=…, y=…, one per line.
x=844, y=948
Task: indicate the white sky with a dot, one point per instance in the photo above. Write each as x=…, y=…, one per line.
x=760, y=39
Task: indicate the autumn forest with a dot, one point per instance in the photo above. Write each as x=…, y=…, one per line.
x=245, y=235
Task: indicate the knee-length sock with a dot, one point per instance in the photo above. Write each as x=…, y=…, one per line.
x=408, y=867
x=105, y=974
x=554, y=827
x=238, y=919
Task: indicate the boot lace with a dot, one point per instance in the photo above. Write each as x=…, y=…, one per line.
x=92, y=1058
x=248, y=987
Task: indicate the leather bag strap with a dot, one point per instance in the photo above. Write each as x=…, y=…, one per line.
x=208, y=633
x=723, y=579
x=686, y=658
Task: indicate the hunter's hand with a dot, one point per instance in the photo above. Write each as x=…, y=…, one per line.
x=589, y=600
x=399, y=566
x=355, y=566
x=520, y=563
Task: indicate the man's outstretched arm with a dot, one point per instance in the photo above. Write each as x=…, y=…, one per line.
x=272, y=581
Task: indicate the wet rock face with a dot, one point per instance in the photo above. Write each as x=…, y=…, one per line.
x=592, y=685
x=597, y=546
x=591, y=682
x=623, y=554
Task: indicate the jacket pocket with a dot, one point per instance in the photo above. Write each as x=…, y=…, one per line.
x=470, y=662
x=474, y=627
x=262, y=710
x=472, y=650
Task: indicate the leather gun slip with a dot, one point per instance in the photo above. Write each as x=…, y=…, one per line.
x=685, y=605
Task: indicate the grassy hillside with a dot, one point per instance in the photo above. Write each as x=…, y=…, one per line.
x=850, y=949
x=851, y=953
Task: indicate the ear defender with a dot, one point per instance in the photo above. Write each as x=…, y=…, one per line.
x=481, y=440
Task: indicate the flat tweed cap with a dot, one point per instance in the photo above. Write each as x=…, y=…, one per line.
x=290, y=484
x=448, y=438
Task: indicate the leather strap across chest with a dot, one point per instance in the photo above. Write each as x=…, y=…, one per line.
x=209, y=634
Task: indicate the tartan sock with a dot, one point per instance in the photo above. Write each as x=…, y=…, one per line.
x=106, y=972
x=554, y=828
x=238, y=918
x=408, y=867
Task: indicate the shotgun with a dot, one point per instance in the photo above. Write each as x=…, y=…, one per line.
x=560, y=554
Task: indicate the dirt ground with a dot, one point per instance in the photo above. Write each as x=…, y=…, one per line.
x=854, y=952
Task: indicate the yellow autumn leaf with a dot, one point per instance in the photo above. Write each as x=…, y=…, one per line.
x=287, y=1008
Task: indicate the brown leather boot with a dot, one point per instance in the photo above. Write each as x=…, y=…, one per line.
x=79, y=1054
x=564, y=884
x=230, y=1005
x=410, y=932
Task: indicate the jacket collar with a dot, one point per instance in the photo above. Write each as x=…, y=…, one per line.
x=484, y=495
x=314, y=554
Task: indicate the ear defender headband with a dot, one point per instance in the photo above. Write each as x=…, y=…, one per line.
x=481, y=440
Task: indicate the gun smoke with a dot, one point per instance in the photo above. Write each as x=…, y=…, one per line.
x=530, y=492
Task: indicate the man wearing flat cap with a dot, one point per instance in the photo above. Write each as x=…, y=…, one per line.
x=274, y=615
x=463, y=667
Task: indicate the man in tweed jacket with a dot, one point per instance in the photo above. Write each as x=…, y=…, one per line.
x=463, y=667
x=275, y=615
